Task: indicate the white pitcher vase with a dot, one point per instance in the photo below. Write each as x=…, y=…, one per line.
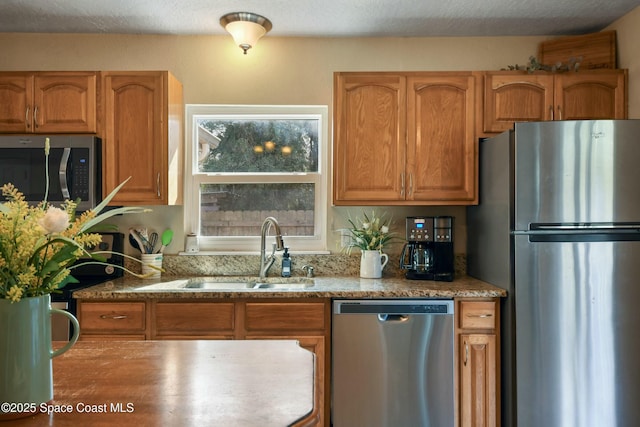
x=372, y=263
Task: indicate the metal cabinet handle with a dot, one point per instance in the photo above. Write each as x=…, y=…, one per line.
x=35, y=116
x=113, y=316
x=551, y=111
x=481, y=316
x=560, y=112
x=402, y=184
x=26, y=117
x=158, y=184
x=466, y=352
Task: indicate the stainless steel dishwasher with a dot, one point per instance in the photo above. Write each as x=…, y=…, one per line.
x=392, y=363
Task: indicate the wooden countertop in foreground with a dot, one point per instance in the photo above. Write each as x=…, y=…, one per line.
x=179, y=383
x=324, y=287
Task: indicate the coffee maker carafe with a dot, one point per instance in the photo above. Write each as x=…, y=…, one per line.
x=428, y=253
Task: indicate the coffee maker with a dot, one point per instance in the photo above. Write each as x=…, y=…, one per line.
x=428, y=253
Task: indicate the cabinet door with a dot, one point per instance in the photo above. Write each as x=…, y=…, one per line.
x=441, y=145
x=134, y=136
x=316, y=345
x=16, y=105
x=516, y=97
x=591, y=95
x=65, y=103
x=369, y=138
x=478, y=378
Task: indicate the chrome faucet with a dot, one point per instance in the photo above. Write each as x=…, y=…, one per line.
x=267, y=261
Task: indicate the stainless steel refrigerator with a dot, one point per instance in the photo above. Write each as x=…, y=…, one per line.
x=558, y=226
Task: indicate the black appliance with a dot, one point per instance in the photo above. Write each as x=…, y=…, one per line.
x=428, y=253
x=87, y=275
x=74, y=164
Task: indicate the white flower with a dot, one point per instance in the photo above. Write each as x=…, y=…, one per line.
x=55, y=220
x=372, y=233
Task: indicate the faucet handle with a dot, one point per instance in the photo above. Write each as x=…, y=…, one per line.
x=309, y=269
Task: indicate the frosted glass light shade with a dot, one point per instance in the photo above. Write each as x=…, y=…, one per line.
x=245, y=28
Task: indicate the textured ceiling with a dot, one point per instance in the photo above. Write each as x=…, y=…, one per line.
x=318, y=18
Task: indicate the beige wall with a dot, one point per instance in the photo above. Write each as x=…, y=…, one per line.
x=628, y=36
x=276, y=71
x=282, y=71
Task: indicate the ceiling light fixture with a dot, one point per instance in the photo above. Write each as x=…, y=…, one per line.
x=245, y=28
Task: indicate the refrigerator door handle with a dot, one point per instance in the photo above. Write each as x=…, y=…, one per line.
x=584, y=236
x=580, y=228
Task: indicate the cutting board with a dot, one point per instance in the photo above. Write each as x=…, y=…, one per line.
x=598, y=50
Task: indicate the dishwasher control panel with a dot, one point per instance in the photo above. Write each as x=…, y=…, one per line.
x=393, y=307
x=413, y=308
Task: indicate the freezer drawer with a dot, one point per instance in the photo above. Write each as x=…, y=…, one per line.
x=393, y=363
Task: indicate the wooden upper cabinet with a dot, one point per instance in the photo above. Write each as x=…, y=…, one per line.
x=369, y=137
x=441, y=143
x=591, y=95
x=404, y=139
x=143, y=137
x=48, y=102
x=517, y=96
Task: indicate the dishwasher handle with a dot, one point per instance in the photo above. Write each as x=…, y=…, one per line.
x=384, y=317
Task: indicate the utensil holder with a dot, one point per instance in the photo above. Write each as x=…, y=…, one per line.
x=149, y=261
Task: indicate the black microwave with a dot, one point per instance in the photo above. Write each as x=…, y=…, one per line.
x=75, y=168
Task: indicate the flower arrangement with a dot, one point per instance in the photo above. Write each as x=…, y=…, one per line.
x=372, y=233
x=39, y=244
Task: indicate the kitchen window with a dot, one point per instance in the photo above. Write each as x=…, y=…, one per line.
x=245, y=163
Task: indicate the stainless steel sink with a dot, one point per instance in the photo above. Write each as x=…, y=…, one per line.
x=231, y=283
x=218, y=285
x=283, y=285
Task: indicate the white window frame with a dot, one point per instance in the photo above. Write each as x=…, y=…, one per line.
x=194, y=178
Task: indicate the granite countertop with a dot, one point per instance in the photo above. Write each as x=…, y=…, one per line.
x=324, y=287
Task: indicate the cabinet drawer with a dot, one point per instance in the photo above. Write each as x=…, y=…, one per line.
x=477, y=314
x=125, y=316
x=193, y=318
x=284, y=316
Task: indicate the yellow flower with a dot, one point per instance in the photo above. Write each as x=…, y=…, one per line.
x=15, y=293
x=40, y=244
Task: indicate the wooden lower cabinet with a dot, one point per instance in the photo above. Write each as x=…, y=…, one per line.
x=188, y=320
x=306, y=320
x=112, y=320
x=309, y=322
x=477, y=332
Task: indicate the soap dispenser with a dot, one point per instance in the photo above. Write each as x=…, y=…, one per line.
x=286, y=263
